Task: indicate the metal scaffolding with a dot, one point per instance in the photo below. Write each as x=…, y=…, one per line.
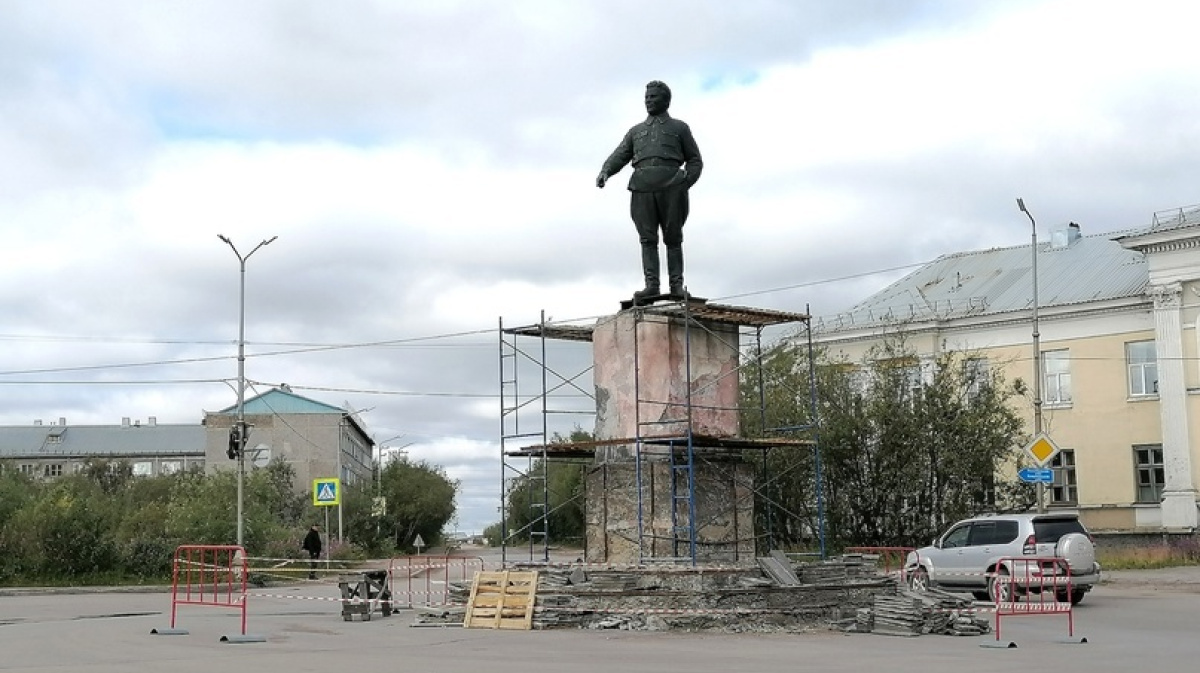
x=683, y=449
x=525, y=414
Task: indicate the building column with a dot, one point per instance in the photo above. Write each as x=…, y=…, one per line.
x=1179, y=491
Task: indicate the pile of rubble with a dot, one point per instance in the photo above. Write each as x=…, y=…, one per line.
x=911, y=613
x=451, y=614
x=777, y=594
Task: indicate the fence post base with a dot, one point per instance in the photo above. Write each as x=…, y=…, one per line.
x=247, y=638
x=168, y=632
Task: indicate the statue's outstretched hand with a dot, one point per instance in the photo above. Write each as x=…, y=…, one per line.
x=601, y=179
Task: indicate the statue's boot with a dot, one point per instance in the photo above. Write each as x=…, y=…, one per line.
x=675, y=270
x=650, y=270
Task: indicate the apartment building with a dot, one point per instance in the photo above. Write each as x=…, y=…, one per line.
x=50, y=450
x=1120, y=355
x=319, y=440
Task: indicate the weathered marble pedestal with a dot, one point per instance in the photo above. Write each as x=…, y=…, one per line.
x=655, y=376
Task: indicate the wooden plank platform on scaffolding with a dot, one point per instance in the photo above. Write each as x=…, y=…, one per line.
x=588, y=448
x=502, y=600
x=696, y=308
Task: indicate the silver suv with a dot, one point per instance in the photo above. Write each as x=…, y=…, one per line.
x=971, y=556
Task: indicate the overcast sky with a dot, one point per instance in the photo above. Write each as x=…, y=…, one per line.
x=429, y=169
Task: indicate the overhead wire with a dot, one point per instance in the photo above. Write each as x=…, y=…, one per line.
x=298, y=348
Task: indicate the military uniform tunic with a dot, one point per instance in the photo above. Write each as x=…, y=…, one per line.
x=666, y=163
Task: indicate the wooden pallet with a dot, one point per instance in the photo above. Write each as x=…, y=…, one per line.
x=502, y=600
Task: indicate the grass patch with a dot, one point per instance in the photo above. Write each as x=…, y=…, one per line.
x=1176, y=553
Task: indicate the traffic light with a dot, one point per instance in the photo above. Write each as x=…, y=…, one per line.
x=238, y=434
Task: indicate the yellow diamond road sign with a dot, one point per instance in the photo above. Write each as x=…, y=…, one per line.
x=1042, y=449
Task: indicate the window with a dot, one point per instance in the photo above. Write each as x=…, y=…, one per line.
x=992, y=532
x=1057, y=368
x=171, y=466
x=143, y=468
x=1148, y=466
x=975, y=376
x=984, y=493
x=859, y=380
x=27, y=469
x=914, y=384
x=982, y=532
x=52, y=470
x=1050, y=529
x=54, y=439
x=1006, y=531
x=1143, y=368
x=1064, y=490
x=956, y=537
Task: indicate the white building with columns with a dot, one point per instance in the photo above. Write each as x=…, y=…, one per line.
x=1120, y=352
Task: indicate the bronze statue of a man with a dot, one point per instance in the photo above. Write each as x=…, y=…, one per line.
x=666, y=163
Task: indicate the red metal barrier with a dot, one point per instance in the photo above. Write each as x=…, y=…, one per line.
x=1040, y=580
x=213, y=575
x=425, y=579
x=892, y=558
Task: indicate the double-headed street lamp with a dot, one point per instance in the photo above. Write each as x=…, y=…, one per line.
x=238, y=435
x=1037, y=354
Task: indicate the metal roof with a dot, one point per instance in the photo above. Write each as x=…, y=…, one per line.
x=46, y=441
x=279, y=401
x=282, y=401
x=999, y=280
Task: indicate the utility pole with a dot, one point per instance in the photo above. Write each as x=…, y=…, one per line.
x=238, y=434
x=1037, y=354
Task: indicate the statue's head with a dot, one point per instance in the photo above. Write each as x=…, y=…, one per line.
x=658, y=97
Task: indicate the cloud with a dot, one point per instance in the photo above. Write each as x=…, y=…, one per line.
x=428, y=169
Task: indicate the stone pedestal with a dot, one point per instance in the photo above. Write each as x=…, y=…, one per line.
x=724, y=502
x=655, y=377
x=643, y=374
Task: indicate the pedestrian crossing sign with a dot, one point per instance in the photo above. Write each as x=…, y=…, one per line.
x=327, y=492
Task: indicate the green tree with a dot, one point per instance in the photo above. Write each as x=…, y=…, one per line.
x=419, y=501
x=112, y=476
x=563, y=496
x=16, y=490
x=203, y=508
x=904, y=446
x=66, y=531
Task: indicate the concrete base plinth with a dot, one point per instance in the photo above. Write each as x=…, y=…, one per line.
x=724, y=512
x=653, y=374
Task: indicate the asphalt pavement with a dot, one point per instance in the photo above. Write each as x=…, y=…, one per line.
x=90, y=631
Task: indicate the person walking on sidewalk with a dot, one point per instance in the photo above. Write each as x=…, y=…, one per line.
x=312, y=545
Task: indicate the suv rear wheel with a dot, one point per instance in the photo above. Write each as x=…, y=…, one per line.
x=1076, y=596
x=1000, y=589
x=918, y=580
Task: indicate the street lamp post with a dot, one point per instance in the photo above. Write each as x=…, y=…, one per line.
x=380, y=504
x=1037, y=354
x=239, y=435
